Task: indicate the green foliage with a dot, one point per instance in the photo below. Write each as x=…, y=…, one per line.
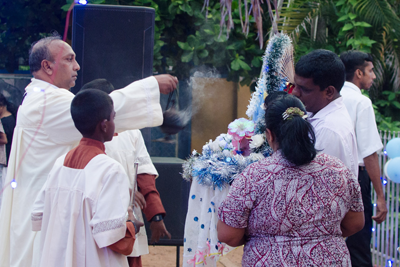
x=23, y=22
x=386, y=111
x=353, y=29
x=187, y=38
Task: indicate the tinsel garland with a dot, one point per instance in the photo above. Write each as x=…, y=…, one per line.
x=270, y=79
x=216, y=169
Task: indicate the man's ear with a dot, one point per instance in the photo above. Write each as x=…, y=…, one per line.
x=358, y=73
x=330, y=92
x=47, y=67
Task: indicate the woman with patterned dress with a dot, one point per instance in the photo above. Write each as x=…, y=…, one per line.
x=294, y=207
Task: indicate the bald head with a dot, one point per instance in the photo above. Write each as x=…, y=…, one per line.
x=40, y=51
x=53, y=60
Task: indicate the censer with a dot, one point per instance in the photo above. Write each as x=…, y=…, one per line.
x=174, y=121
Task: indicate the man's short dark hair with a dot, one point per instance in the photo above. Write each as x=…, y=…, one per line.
x=101, y=84
x=273, y=96
x=354, y=60
x=324, y=67
x=41, y=52
x=88, y=108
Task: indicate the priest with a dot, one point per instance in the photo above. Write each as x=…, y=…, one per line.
x=45, y=131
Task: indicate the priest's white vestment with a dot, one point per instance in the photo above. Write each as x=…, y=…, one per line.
x=44, y=132
x=81, y=212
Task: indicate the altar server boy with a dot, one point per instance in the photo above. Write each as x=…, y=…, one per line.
x=81, y=209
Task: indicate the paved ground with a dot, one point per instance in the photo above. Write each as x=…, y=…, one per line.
x=161, y=256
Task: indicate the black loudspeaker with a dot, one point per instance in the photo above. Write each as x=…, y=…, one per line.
x=113, y=42
x=174, y=193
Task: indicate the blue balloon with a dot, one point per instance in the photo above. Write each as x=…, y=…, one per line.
x=392, y=170
x=393, y=148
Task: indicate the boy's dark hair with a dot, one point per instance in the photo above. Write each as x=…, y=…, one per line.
x=41, y=52
x=354, y=60
x=88, y=108
x=100, y=84
x=295, y=136
x=324, y=67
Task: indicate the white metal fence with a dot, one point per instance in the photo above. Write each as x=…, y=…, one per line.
x=385, y=236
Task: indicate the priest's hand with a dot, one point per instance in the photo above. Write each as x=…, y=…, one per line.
x=167, y=83
x=158, y=230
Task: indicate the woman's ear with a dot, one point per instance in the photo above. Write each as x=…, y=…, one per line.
x=270, y=136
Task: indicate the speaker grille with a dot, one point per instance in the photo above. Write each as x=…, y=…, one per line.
x=113, y=42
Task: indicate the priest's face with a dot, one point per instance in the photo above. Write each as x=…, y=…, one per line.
x=64, y=68
x=110, y=129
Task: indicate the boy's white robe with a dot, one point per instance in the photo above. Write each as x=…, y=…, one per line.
x=44, y=132
x=81, y=212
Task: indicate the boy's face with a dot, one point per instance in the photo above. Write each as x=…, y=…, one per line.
x=110, y=126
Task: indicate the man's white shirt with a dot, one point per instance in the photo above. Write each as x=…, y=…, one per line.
x=362, y=115
x=334, y=133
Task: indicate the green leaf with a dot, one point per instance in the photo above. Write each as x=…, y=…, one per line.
x=65, y=7
x=234, y=46
x=220, y=39
x=347, y=27
x=353, y=2
x=362, y=24
x=235, y=65
x=352, y=16
x=244, y=65
x=396, y=104
x=185, y=46
x=350, y=42
x=202, y=53
x=172, y=9
x=192, y=41
x=208, y=31
x=187, y=56
x=342, y=18
x=341, y=2
x=256, y=62
x=391, y=97
x=196, y=60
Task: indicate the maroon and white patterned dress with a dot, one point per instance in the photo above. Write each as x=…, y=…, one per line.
x=292, y=214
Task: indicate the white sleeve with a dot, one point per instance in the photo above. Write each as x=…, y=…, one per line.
x=368, y=139
x=137, y=105
x=37, y=209
x=57, y=120
x=109, y=213
x=331, y=143
x=143, y=157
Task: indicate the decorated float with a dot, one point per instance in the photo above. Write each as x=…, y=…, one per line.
x=212, y=171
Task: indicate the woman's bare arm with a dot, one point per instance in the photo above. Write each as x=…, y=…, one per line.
x=352, y=223
x=232, y=236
